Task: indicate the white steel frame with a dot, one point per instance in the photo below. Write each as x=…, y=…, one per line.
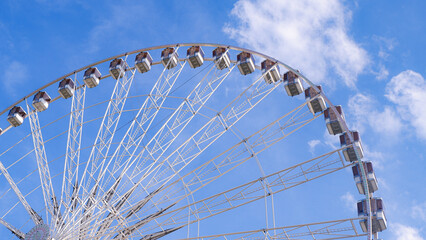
x=98, y=199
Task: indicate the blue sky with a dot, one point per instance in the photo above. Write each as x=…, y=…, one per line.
x=367, y=54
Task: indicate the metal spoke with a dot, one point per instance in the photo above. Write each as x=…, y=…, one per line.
x=51, y=203
x=141, y=123
x=152, y=166
x=246, y=193
x=233, y=157
x=253, y=191
x=34, y=216
x=106, y=131
x=13, y=229
x=103, y=140
x=337, y=229
x=154, y=103
x=247, y=100
x=69, y=197
x=207, y=134
x=177, y=121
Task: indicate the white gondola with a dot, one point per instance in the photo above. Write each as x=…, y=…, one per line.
x=169, y=58
x=66, y=88
x=221, y=58
x=333, y=123
x=91, y=77
x=316, y=102
x=351, y=150
x=195, y=56
x=292, y=84
x=16, y=116
x=245, y=63
x=371, y=177
x=41, y=101
x=117, y=68
x=274, y=71
x=379, y=222
x=143, y=62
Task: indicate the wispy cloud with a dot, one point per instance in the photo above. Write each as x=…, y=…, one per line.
x=308, y=34
x=61, y=4
x=365, y=110
x=378, y=158
x=5, y=37
x=382, y=73
x=386, y=45
x=120, y=27
x=312, y=144
x=14, y=75
x=404, y=232
x=349, y=200
x=407, y=91
x=331, y=140
x=418, y=212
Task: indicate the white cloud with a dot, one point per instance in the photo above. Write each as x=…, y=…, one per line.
x=5, y=37
x=365, y=110
x=312, y=144
x=378, y=158
x=308, y=34
x=403, y=232
x=418, y=212
x=349, y=201
x=331, y=140
x=14, y=76
x=407, y=91
x=386, y=45
x=383, y=72
x=118, y=27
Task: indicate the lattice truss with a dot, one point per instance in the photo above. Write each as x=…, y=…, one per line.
x=138, y=178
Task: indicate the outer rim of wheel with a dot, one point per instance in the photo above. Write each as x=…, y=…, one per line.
x=368, y=195
x=161, y=47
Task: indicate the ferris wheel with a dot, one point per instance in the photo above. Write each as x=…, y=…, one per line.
x=149, y=144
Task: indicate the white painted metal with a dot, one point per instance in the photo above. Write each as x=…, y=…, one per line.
x=182, y=116
x=51, y=203
x=103, y=192
x=236, y=155
x=247, y=149
x=33, y=214
x=140, y=125
x=205, y=136
x=253, y=191
x=337, y=229
x=13, y=229
x=103, y=141
x=69, y=197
